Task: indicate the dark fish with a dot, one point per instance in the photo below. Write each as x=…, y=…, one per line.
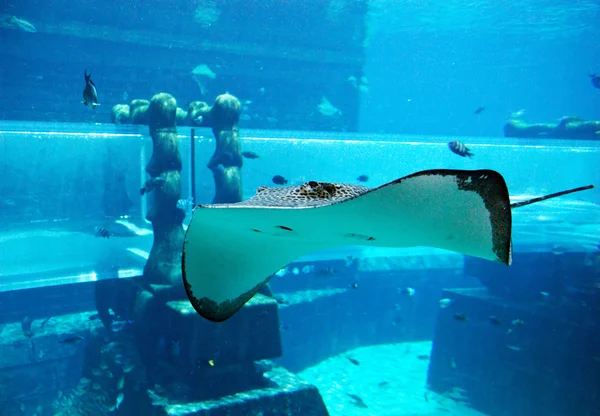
x=461, y=317
x=353, y=361
x=90, y=95
x=595, y=78
x=494, y=320
x=26, y=327
x=423, y=357
x=357, y=401
x=458, y=148
x=250, y=155
x=479, y=110
x=101, y=232
x=279, y=180
x=152, y=183
x=354, y=285
x=71, y=339
x=362, y=178
x=383, y=383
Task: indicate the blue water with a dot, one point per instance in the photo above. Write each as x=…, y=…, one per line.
x=431, y=63
x=412, y=331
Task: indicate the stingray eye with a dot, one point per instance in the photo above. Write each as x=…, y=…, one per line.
x=260, y=189
x=313, y=184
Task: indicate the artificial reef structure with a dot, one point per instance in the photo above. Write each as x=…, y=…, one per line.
x=203, y=364
x=567, y=128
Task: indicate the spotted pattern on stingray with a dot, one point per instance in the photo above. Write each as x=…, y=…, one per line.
x=309, y=194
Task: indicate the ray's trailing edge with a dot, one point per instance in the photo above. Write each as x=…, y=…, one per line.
x=231, y=251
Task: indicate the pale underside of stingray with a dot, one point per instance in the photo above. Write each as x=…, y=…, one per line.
x=230, y=251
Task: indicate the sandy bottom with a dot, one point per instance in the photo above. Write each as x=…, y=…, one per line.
x=390, y=379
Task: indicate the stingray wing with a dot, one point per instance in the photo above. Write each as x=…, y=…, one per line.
x=232, y=250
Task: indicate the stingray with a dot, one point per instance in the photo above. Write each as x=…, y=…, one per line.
x=231, y=251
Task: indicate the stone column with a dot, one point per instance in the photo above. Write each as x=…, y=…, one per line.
x=164, y=263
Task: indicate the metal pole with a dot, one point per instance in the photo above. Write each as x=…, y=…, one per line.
x=193, y=165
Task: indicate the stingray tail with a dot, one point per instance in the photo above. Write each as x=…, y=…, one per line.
x=554, y=195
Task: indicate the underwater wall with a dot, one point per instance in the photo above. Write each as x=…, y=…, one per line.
x=286, y=79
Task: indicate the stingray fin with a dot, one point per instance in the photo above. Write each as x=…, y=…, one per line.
x=231, y=250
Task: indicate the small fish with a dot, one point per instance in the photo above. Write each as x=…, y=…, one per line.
x=111, y=346
x=408, y=291
x=211, y=363
x=7, y=203
x=117, y=326
x=71, y=339
x=494, y=320
x=23, y=24
x=595, y=78
x=518, y=323
x=127, y=368
x=353, y=360
x=357, y=401
x=513, y=347
x=423, y=357
x=152, y=183
x=90, y=95
x=185, y=204
x=461, y=317
x=120, y=398
x=250, y=155
x=354, y=285
x=479, y=110
x=279, y=180
x=444, y=303
x=383, y=383
x=198, y=120
x=121, y=383
x=101, y=232
x=458, y=148
x=362, y=178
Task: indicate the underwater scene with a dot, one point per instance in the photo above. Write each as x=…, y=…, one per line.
x=317, y=207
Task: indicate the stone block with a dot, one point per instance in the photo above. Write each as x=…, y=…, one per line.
x=250, y=335
x=523, y=359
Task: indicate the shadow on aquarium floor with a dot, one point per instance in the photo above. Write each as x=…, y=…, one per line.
x=383, y=380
